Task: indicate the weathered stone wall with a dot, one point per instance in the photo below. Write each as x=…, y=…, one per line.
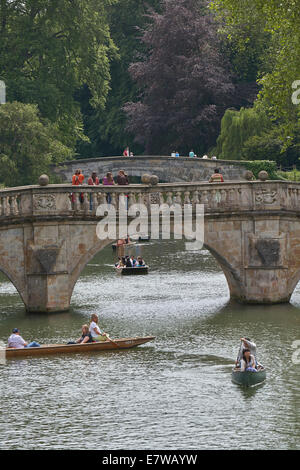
x=168, y=169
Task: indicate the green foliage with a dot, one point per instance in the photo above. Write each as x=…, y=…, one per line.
x=259, y=165
x=281, y=20
x=48, y=49
x=237, y=127
x=28, y=144
x=106, y=126
x=290, y=175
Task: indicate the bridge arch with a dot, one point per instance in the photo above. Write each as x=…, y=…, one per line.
x=231, y=274
x=15, y=282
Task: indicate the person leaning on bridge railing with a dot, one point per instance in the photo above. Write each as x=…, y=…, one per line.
x=93, y=181
x=217, y=177
x=77, y=180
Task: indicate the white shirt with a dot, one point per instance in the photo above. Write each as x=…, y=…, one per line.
x=16, y=341
x=94, y=325
x=250, y=364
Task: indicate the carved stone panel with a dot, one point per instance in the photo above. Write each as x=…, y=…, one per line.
x=266, y=196
x=265, y=253
x=44, y=202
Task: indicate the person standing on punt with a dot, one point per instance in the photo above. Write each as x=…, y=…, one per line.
x=97, y=334
x=16, y=341
x=246, y=343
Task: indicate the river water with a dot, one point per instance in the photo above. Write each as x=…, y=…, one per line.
x=173, y=393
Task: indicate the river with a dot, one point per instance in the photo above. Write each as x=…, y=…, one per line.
x=173, y=393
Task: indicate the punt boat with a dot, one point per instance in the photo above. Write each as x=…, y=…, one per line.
x=133, y=271
x=248, y=378
x=125, y=245
x=47, y=349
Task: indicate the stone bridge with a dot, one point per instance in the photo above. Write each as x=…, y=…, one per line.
x=168, y=169
x=48, y=235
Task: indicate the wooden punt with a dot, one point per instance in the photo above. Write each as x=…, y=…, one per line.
x=124, y=245
x=247, y=378
x=47, y=349
x=133, y=271
x=144, y=238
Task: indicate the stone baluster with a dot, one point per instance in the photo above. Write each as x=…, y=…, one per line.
x=14, y=205
x=204, y=198
x=232, y=198
x=69, y=201
x=223, y=198
x=169, y=198
x=76, y=202
x=295, y=197
x=140, y=198
x=6, y=206
x=86, y=202
x=161, y=198
x=94, y=196
x=131, y=199
x=187, y=199
x=213, y=202
x=101, y=198
x=1, y=206
x=195, y=199
x=114, y=200
x=178, y=198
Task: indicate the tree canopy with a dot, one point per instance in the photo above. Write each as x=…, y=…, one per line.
x=28, y=144
x=48, y=49
x=183, y=80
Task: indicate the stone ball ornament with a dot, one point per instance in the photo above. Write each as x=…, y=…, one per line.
x=263, y=175
x=146, y=178
x=44, y=180
x=249, y=176
x=154, y=180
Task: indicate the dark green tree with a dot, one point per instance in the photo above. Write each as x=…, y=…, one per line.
x=106, y=128
x=184, y=82
x=50, y=48
x=28, y=144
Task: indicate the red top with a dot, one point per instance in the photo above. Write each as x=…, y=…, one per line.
x=77, y=179
x=92, y=182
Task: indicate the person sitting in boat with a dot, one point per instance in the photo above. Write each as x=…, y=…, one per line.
x=97, y=334
x=140, y=262
x=246, y=343
x=248, y=362
x=128, y=262
x=17, y=342
x=133, y=261
x=86, y=336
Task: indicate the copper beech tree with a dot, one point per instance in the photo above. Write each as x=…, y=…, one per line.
x=185, y=84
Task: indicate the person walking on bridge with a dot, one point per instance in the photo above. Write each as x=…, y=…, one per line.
x=216, y=177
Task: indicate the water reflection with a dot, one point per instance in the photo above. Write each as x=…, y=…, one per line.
x=176, y=391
